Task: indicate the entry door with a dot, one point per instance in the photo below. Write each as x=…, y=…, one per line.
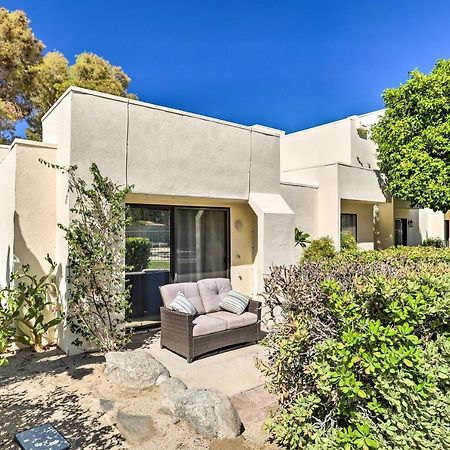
x=201, y=244
x=401, y=232
x=446, y=232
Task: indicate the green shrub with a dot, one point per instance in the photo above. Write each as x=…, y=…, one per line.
x=321, y=248
x=348, y=242
x=8, y=313
x=28, y=308
x=361, y=357
x=137, y=253
x=433, y=242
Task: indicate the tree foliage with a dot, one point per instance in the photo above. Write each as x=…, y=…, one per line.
x=20, y=51
x=30, y=82
x=360, y=357
x=98, y=301
x=413, y=138
x=54, y=75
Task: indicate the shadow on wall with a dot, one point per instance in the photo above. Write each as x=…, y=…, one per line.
x=8, y=266
x=22, y=254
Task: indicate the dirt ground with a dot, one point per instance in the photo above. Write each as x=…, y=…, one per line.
x=74, y=395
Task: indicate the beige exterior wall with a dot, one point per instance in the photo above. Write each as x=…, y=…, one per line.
x=384, y=225
x=325, y=144
x=27, y=196
x=7, y=202
x=363, y=148
x=364, y=222
x=303, y=200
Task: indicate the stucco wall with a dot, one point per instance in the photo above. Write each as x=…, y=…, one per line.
x=384, y=224
x=356, y=183
x=325, y=144
x=35, y=210
x=364, y=153
x=303, y=200
x=364, y=219
x=7, y=202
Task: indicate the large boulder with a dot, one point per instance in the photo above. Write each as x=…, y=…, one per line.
x=135, y=369
x=210, y=412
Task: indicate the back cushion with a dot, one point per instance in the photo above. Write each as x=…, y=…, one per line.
x=213, y=291
x=190, y=290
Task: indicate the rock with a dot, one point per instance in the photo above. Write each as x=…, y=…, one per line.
x=172, y=386
x=210, y=412
x=135, y=369
x=136, y=428
x=106, y=405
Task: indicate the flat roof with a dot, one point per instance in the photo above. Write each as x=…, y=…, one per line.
x=256, y=128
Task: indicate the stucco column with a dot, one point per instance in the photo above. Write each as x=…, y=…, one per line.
x=276, y=222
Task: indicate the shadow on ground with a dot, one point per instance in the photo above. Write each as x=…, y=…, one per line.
x=46, y=401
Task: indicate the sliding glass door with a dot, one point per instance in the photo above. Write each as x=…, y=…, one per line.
x=200, y=243
x=173, y=244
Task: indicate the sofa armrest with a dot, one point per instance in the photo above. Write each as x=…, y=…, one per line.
x=174, y=322
x=255, y=307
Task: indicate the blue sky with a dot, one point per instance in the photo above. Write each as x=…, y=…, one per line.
x=286, y=64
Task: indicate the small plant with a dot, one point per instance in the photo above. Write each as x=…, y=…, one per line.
x=301, y=238
x=30, y=299
x=8, y=312
x=321, y=248
x=348, y=242
x=137, y=253
x=433, y=242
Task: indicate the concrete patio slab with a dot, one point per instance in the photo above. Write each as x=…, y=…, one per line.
x=231, y=372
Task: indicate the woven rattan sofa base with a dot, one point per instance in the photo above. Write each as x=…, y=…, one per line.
x=177, y=329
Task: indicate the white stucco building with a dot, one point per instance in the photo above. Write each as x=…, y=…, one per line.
x=214, y=198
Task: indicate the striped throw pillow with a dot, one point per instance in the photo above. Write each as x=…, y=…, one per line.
x=182, y=304
x=234, y=302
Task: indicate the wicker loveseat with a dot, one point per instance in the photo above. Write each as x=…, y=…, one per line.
x=211, y=328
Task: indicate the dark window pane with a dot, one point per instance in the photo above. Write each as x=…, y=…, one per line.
x=349, y=224
x=201, y=243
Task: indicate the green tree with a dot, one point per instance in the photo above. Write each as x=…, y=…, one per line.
x=413, y=138
x=54, y=75
x=30, y=83
x=20, y=51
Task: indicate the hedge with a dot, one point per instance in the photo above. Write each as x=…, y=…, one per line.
x=360, y=355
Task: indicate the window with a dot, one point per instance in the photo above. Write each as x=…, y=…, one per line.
x=349, y=224
x=153, y=224
x=189, y=242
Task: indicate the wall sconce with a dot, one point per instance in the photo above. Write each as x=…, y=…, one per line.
x=410, y=223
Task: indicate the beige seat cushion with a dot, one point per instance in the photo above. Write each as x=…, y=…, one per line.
x=206, y=324
x=190, y=290
x=235, y=320
x=213, y=291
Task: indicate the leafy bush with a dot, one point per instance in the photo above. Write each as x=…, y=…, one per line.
x=98, y=303
x=348, y=242
x=433, y=242
x=321, y=248
x=8, y=312
x=28, y=308
x=137, y=253
x=360, y=357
